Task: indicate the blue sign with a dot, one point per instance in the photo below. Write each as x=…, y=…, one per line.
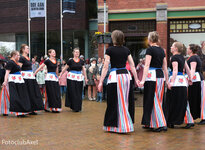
x=69, y=6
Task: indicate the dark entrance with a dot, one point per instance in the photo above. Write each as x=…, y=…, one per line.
x=136, y=33
x=136, y=45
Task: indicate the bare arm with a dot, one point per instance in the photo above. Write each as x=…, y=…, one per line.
x=105, y=68
x=41, y=66
x=174, y=73
x=57, y=71
x=6, y=77
x=85, y=74
x=104, y=72
x=193, y=69
x=132, y=67
x=64, y=69
x=187, y=70
x=148, y=59
x=164, y=67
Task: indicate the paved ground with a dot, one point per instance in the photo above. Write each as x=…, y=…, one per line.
x=83, y=131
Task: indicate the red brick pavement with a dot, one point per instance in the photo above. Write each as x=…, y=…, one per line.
x=83, y=131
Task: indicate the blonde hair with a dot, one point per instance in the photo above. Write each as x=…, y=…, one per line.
x=76, y=49
x=22, y=48
x=14, y=53
x=153, y=37
x=118, y=37
x=179, y=46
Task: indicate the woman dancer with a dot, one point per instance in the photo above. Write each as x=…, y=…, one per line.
x=75, y=81
x=19, y=99
x=177, y=93
x=196, y=91
x=119, y=116
x=153, y=81
x=30, y=81
x=52, y=92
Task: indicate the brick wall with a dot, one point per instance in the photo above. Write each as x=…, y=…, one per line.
x=145, y=5
x=185, y=3
x=13, y=17
x=162, y=30
x=139, y=4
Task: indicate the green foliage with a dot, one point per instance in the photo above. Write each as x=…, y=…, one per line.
x=4, y=51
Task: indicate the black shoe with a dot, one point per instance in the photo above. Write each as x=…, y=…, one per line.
x=76, y=110
x=33, y=113
x=164, y=129
x=170, y=126
x=202, y=122
x=5, y=114
x=145, y=127
x=55, y=111
x=46, y=110
x=189, y=125
x=21, y=116
x=158, y=129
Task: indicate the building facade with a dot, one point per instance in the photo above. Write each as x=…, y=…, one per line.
x=14, y=28
x=175, y=20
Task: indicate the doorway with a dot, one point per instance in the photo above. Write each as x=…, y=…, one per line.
x=136, y=45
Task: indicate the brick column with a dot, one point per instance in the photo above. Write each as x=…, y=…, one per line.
x=162, y=30
x=162, y=24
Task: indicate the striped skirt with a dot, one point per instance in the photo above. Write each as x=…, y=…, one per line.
x=157, y=115
x=5, y=103
x=188, y=119
x=124, y=99
x=153, y=115
x=203, y=100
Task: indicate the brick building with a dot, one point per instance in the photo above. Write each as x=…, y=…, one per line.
x=14, y=27
x=175, y=20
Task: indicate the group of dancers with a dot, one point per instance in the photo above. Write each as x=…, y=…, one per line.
x=21, y=95
x=183, y=102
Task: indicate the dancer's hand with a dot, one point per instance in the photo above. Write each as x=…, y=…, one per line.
x=141, y=84
x=190, y=82
x=20, y=64
x=137, y=82
x=4, y=84
x=170, y=85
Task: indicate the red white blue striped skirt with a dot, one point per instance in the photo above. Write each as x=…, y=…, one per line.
x=157, y=115
x=188, y=117
x=125, y=123
x=203, y=100
x=5, y=103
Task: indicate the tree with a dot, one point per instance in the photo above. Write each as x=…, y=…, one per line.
x=4, y=51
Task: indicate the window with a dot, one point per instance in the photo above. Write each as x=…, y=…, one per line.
x=187, y=26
